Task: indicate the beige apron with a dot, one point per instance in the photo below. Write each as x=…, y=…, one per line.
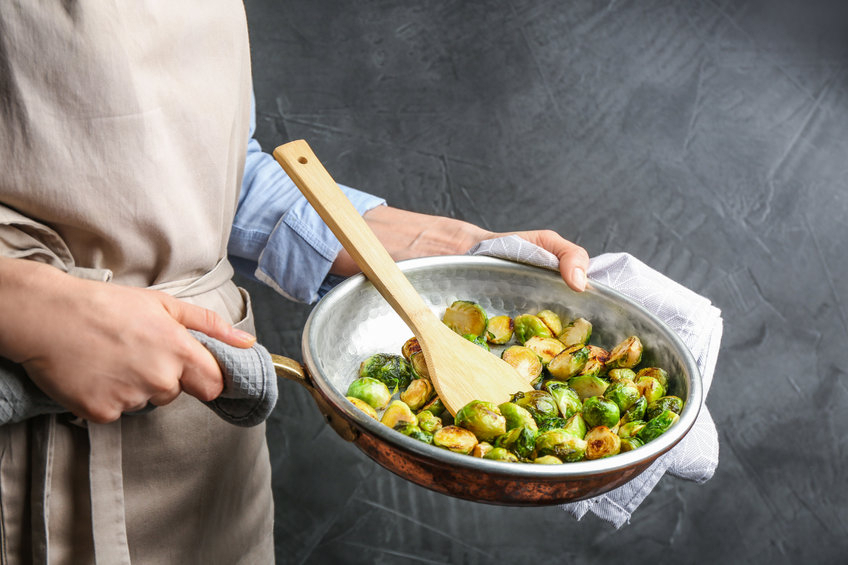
x=123, y=132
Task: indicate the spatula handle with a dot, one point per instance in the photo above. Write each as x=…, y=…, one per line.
x=313, y=180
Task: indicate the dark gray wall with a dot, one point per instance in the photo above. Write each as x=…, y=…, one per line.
x=706, y=138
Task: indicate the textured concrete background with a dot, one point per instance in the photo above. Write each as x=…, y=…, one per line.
x=706, y=138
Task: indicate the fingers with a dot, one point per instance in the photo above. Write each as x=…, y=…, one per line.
x=573, y=259
x=206, y=321
x=201, y=377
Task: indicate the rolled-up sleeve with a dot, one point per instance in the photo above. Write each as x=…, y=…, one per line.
x=277, y=237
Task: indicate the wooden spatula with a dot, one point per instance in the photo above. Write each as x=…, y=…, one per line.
x=460, y=371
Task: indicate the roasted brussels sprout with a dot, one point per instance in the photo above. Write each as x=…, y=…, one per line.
x=636, y=411
x=371, y=391
x=456, y=439
x=623, y=393
x=621, y=375
x=569, y=362
x=552, y=424
x=673, y=403
x=466, y=317
x=501, y=454
x=552, y=320
x=539, y=403
x=412, y=352
x=567, y=400
x=481, y=418
x=626, y=354
x=481, y=449
x=560, y=444
x=525, y=361
x=364, y=406
x=478, y=340
x=631, y=429
x=517, y=416
x=598, y=411
x=651, y=388
x=435, y=407
x=499, y=331
x=587, y=386
x=428, y=422
x=577, y=332
x=410, y=347
x=526, y=326
x=596, y=364
x=393, y=370
x=398, y=412
x=547, y=460
x=630, y=443
x=660, y=374
x=657, y=426
x=418, y=393
x=545, y=347
x=576, y=426
x=601, y=442
x=413, y=431
x=521, y=441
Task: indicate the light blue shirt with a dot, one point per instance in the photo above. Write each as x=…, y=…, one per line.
x=277, y=237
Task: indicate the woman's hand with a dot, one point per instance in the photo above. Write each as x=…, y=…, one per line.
x=409, y=234
x=101, y=349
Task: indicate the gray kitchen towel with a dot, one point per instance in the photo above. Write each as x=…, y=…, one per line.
x=692, y=317
x=249, y=395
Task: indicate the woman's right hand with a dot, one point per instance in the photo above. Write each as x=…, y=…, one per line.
x=101, y=349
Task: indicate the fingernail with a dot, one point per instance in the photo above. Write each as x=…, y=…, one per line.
x=578, y=277
x=243, y=336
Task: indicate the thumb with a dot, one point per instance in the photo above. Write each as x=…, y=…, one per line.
x=203, y=320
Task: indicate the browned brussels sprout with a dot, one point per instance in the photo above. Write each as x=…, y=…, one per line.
x=650, y=388
x=412, y=352
x=621, y=375
x=413, y=431
x=501, y=454
x=481, y=449
x=428, y=422
x=371, y=391
x=547, y=460
x=539, y=403
x=552, y=320
x=569, y=362
x=517, y=416
x=623, y=393
x=364, y=406
x=596, y=364
x=626, y=354
x=546, y=348
x=660, y=374
x=466, y=317
x=456, y=439
x=560, y=444
x=418, y=393
x=521, y=441
x=567, y=400
x=601, y=442
x=631, y=429
x=630, y=443
x=587, y=386
x=636, y=411
x=410, y=347
x=577, y=332
x=576, y=425
x=657, y=426
x=393, y=370
x=398, y=412
x=673, y=403
x=525, y=361
x=499, y=331
x=482, y=418
x=526, y=326
x=598, y=411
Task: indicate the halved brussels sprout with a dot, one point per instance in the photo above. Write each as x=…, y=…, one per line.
x=478, y=340
x=466, y=317
x=567, y=400
x=521, y=441
x=371, y=391
x=456, y=439
x=598, y=411
x=657, y=426
x=547, y=460
x=398, y=412
x=546, y=348
x=630, y=443
x=481, y=449
x=552, y=424
x=673, y=403
x=576, y=425
x=623, y=393
x=526, y=326
x=601, y=442
x=560, y=444
x=539, y=403
x=393, y=370
x=428, y=422
x=364, y=406
x=411, y=351
x=626, y=354
x=410, y=347
x=635, y=412
x=517, y=416
x=621, y=375
x=418, y=393
x=525, y=361
x=660, y=374
x=577, y=332
x=413, y=431
x=501, y=454
x=587, y=386
x=569, y=362
x=631, y=429
x=436, y=407
x=651, y=388
x=596, y=364
x=499, y=331
x=482, y=418
x=552, y=320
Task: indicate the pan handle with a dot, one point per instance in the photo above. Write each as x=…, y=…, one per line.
x=295, y=371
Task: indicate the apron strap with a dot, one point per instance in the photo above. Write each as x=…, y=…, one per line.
x=43, y=436
x=105, y=471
